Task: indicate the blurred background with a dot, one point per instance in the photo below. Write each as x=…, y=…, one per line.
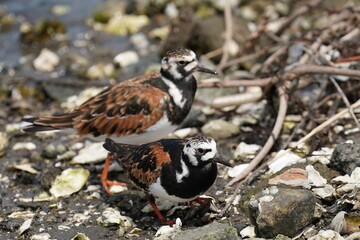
x=55, y=54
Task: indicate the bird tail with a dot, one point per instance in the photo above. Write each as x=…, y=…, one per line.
x=49, y=123
x=120, y=152
x=117, y=148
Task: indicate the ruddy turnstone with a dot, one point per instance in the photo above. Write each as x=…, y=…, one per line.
x=136, y=111
x=179, y=170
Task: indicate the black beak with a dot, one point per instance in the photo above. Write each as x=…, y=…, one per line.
x=201, y=68
x=220, y=159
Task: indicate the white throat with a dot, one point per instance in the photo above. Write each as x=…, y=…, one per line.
x=175, y=92
x=184, y=172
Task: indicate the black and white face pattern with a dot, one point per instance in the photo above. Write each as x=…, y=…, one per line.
x=179, y=63
x=201, y=150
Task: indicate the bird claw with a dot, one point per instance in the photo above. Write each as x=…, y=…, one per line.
x=103, y=177
x=106, y=183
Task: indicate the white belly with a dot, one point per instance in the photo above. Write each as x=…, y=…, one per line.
x=159, y=130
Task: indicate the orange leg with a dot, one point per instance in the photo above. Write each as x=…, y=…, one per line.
x=158, y=213
x=103, y=177
x=203, y=201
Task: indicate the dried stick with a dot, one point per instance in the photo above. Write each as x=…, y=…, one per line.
x=299, y=70
x=346, y=100
x=297, y=127
x=326, y=123
x=231, y=200
x=305, y=69
x=228, y=34
x=340, y=91
x=250, y=57
x=216, y=82
x=213, y=53
x=283, y=97
x=237, y=99
x=289, y=75
x=296, y=14
x=281, y=51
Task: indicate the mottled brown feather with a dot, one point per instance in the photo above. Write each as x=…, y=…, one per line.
x=126, y=108
x=145, y=170
x=115, y=110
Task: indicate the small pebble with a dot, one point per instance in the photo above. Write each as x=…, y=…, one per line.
x=41, y=236
x=46, y=61
x=24, y=146
x=126, y=58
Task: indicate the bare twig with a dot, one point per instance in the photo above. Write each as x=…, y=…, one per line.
x=325, y=35
x=216, y=82
x=228, y=34
x=213, y=53
x=250, y=95
x=287, y=76
x=326, y=99
x=348, y=59
x=271, y=140
x=306, y=69
x=276, y=55
x=231, y=200
x=300, y=11
x=340, y=91
x=346, y=100
x=326, y=124
x=249, y=57
x=294, y=131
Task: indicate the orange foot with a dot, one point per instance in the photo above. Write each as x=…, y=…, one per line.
x=103, y=177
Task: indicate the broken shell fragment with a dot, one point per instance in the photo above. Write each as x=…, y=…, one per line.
x=69, y=181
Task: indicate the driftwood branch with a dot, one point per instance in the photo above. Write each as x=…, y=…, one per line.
x=286, y=76
x=273, y=136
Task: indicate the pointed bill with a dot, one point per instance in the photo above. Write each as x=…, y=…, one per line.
x=201, y=68
x=220, y=159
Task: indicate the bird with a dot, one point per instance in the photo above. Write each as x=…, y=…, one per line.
x=179, y=170
x=136, y=111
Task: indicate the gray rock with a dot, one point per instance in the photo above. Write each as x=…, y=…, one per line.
x=282, y=237
x=281, y=211
x=354, y=236
x=181, y=30
x=61, y=92
x=220, y=129
x=346, y=157
x=212, y=231
x=207, y=34
x=328, y=235
x=195, y=118
x=46, y=61
x=51, y=151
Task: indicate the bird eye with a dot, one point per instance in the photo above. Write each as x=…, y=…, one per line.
x=181, y=63
x=201, y=150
